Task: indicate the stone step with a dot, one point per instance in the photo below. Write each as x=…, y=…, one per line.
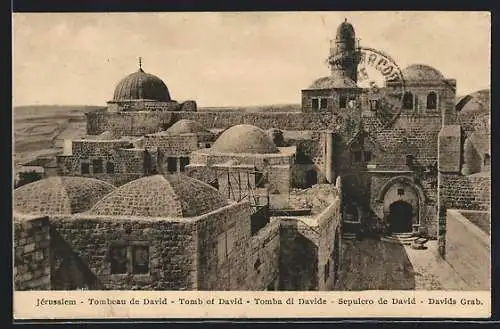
x=403, y=235
x=393, y=239
x=349, y=236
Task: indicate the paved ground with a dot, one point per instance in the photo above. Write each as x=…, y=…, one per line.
x=376, y=265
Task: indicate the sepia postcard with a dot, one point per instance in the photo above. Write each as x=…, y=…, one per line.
x=251, y=165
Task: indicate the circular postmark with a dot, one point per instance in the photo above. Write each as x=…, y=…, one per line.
x=383, y=82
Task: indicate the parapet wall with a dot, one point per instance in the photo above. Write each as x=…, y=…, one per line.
x=262, y=254
x=141, y=123
x=31, y=253
x=309, y=251
x=468, y=250
x=221, y=259
x=465, y=192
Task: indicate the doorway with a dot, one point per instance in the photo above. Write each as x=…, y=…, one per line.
x=400, y=217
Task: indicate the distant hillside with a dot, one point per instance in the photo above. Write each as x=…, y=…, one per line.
x=52, y=111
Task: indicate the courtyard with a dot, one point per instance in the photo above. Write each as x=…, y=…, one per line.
x=372, y=264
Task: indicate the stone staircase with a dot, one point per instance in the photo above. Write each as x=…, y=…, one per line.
x=400, y=238
x=349, y=236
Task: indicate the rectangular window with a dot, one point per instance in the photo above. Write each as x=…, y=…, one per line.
x=132, y=259
x=184, y=162
x=315, y=103
x=373, y=105
x=97, y=166
x=118, y=259
x=368, y=156
x=401, y=191
x=343, y=102
x=171, y=165
x=110, y=168
x=207, y=145
x=327, y=270
x=324, y=103
x=85, y=168
x=357, y=156
x=140, y=259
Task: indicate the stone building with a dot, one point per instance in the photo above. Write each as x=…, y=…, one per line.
x=177, y=143
x=398, y=157
x=244, y=160
x=387, y=160
x=119, y=158
x=115, y=160
x=165, y=233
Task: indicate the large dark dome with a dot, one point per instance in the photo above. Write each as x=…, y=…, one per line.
x=141, y=86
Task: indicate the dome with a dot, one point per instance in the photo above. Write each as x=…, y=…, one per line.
x=161, y=196
x=420, y=72
x=60, y=195
x=333, y=82
x=477, y=102
x=244, y=139
x=185, y=127
x=345, y=31
x=141, y=86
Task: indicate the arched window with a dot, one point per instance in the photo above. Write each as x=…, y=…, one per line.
x=431, y=101
x=408, y=101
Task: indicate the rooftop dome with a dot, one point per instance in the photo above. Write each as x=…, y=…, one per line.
x=345, y=31
x=244, y=139
x=334, y=81
x=161, y=196
x=141, y=86
x=420, y=72
x=60, y=195
x=478, y=101
x=185, y=126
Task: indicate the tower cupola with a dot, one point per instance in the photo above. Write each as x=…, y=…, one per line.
x=344, y=56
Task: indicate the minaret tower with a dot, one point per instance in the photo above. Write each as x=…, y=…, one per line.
x=344, y=56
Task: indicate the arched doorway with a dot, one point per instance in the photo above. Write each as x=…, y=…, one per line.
x=311, y=178
x=400, y=217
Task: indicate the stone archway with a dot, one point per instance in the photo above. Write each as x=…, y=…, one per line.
x=392, y=198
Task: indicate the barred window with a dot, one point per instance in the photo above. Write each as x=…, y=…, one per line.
x=118, y=259
x=323, y=103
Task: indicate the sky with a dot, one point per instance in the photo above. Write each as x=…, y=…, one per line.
x=229, y=59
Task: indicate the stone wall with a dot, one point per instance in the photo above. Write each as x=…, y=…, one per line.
x=468, y=250
x=127, y=163
x=328, y=246
x=172, y=246
x=172, y=145
x=221, y=239
x=450, y=149
x=465, y=192
x=298, y=256
x=128, y=123
x=140, y=123
x=262, y=254
x=31, y=253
